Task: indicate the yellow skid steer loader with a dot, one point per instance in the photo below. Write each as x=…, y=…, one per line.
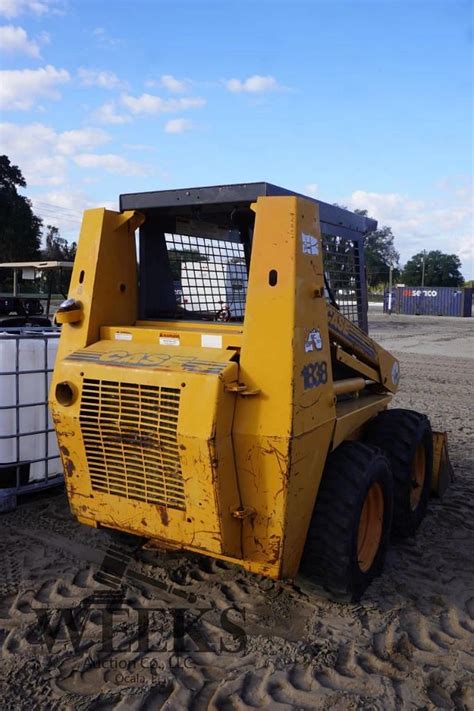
x=215, y=388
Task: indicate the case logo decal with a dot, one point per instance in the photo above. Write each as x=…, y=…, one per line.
x=313, y=341
x=310, y=244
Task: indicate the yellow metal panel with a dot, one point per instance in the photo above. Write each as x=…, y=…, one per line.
x=352, y=414
x=443, y=473
x=104, y=278
x=286, y=356
x=352, y=362
x=203, y=443
x=104, y=284
x=350, y=336
x=152, y=358
x=72, y=316
x=389, y=370
x=263, y=470
x=308, y=457
x=175, y=334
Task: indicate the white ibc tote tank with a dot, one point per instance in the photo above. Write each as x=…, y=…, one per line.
x=26, y=430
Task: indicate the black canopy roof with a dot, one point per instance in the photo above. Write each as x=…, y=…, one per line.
x=334, y=220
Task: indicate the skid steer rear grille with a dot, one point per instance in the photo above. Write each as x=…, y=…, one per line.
x=130, y=438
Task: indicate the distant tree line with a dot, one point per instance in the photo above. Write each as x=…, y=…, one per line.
x=21, y=231
x=433, y=269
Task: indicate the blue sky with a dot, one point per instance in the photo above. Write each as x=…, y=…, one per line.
x=363, y=102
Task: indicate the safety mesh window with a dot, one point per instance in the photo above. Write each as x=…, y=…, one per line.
x=342, y=269
x=209, y=277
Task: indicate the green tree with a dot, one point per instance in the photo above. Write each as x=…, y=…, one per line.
x=440, y=269
x=380, y=254
x=20, y=229
x=58, y=249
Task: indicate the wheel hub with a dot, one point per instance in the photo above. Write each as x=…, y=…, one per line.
x=370, y=527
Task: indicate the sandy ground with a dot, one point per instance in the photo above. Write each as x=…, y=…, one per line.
x=408, y=644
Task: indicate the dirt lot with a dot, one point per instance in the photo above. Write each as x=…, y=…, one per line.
x=408, y=644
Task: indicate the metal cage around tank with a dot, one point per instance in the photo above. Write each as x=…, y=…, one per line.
x=29, y=456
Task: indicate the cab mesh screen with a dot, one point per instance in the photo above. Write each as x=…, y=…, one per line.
x=209, y=277
x=342, y=270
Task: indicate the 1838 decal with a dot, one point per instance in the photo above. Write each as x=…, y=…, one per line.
x=315, y=374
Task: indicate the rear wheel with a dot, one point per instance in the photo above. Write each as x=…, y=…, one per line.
x=349, y=530
x=406, y=438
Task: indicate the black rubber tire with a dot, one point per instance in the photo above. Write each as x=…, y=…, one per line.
x=330, y=557
x=398, y=432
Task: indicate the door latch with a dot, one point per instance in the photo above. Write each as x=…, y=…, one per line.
x=240, y=389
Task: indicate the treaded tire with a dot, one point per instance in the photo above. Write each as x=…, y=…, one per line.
x=398, y=433
x=330, y=557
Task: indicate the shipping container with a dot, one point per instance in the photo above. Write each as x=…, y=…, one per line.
x=429, y=301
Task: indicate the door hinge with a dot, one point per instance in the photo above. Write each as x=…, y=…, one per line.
x=243, y=512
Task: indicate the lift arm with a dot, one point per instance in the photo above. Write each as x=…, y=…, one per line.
x=354, y=349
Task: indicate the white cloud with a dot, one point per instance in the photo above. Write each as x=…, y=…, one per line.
x=391, y=205
x=64, y=207
x=14, y=8
x=20, y=87
x=443, y=222
x=176, y=86
x=256, y=84
x=153, y=105
x=101, y=78
x=80, y=139
x=33, y=148
x=311, y=189
x=139, y=147
x=44, y=38
x=110, y=162
x=15, y=40
x=108, y=114
x=170, y=83
x=45, y=157
x=178, y=125
x=69, y=200
x=105, y=40
x=42, y=153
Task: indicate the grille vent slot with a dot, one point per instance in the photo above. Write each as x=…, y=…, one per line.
x=130, y=437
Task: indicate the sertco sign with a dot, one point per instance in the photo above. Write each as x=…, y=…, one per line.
x=420, y=292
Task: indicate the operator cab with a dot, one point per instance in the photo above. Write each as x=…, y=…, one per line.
x=195, y=252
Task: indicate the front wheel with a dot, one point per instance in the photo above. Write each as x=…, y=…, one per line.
x=350, y=527
x=405, y=437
